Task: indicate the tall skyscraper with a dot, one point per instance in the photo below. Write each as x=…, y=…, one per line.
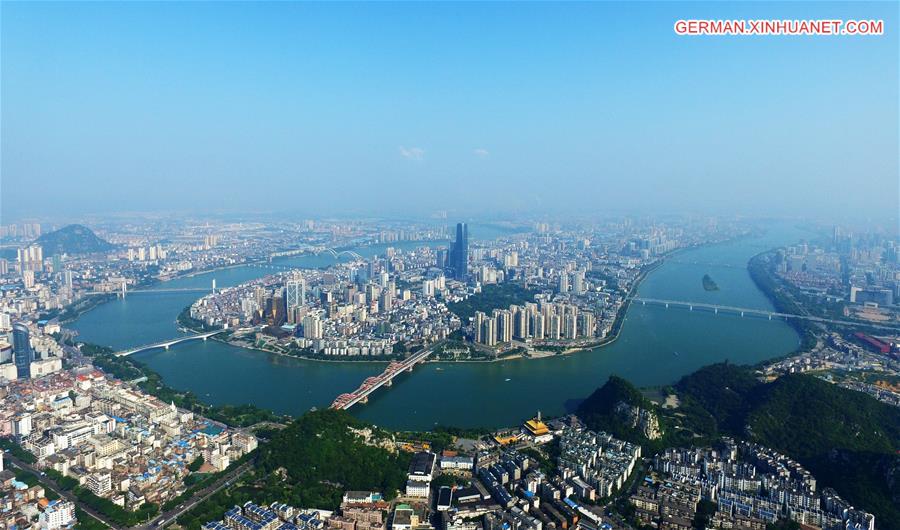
x=459, y=255
x=22, y=350
x=295, y=292
x=312, y=327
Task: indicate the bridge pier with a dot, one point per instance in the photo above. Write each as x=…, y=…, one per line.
x=770, y=316
x=742, y=313
x=166, y=346
x=364, y=400
x=716, y=310
x=390, y=382
x=667, y=305
x=690, y=308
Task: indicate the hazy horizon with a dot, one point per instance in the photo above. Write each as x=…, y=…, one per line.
x=401, y=110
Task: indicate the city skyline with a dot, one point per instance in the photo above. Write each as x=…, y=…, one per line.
x=305, y=265
x=373, y=108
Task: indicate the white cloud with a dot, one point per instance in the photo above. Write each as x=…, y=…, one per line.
x=481, y=152
x=412, y=153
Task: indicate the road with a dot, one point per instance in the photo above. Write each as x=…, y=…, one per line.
x=198, y=497
x=51, y=484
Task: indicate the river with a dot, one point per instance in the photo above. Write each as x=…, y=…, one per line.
x=656, y=346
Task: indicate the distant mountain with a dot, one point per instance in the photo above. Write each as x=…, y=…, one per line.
x=72, y=239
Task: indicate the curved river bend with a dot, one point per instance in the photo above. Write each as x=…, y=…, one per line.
x=656, y=346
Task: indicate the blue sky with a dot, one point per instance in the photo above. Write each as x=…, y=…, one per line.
x=470, y=107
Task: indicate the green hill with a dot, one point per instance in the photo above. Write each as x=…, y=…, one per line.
x=322, y=457
x=598, y=411
x=615, y=390
x=72, y=239
x=310, y=463
x=848, y=440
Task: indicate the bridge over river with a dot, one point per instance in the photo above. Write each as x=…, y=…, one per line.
x=744, y=311
x=371, y=384
x=167, y=343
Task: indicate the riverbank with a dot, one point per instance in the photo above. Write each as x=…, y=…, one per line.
x=765, y=280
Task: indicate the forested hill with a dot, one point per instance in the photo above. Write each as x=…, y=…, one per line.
x=848, y=440
x=310, y=463
x=323, y=454
x=72, y=239
x=598, y=411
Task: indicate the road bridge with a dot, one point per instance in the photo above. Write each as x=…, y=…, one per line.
x=167, y=343
x=371, y=384
x=271, y=266
x=745, y=311
x=337, y=253
x=158, y=291
x=123, y=290
x=706, y=264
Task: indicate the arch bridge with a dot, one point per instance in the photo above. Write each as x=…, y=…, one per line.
x=168, y=343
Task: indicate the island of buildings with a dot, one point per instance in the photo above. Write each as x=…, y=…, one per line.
x=531, y=292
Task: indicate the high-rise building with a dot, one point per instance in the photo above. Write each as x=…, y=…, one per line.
x=459, y=254
x=554, y=327
x=386, y=301
x=563, y=282
x=441, y=258
x=504, y=325
x=22, y=350
x=278, y=315
x=570, y=326
x=295, y=293
x=587, y=324
x=479, y=322
x=312, y=327
x=537, y=323
x=521, y=324
x=489, y=331
x=31, y=258
x=28, y=279
x=578, y=286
